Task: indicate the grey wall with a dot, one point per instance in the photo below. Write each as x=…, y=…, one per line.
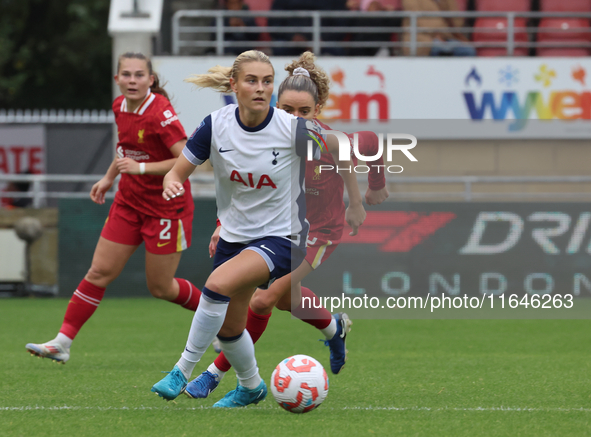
x=78, y=149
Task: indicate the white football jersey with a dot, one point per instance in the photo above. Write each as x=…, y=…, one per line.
x=259, y=172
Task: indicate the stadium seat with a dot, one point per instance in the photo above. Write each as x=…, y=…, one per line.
x=496, y=51
x=260, y=5
x=498, y=36
x=562, y=30
x=565, y=5
x=503, y=5
x=462, y=4
x=563, y=52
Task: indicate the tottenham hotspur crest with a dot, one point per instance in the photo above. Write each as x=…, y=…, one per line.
x=275, y=154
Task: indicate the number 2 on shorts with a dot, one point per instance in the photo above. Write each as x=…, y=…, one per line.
x=165, y=234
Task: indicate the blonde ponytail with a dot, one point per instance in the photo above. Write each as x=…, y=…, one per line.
x=218, y=77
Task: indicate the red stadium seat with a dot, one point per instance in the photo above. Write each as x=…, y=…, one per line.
x=462, y=4
x=565, y=5
x=503, y=5
x=499, y=35
x=260, y=5
x=495, y=51
x=563, y=52
x=564, y=31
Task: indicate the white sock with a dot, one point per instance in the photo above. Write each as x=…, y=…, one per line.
x=207, y=321
x=215, y=371
x=330, y=330
x=240, y=354
x=64, y=340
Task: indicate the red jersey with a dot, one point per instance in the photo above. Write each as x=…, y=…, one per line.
x=325, y=208
x=146, y=135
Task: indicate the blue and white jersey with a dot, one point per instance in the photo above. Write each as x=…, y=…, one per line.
x=259, y=172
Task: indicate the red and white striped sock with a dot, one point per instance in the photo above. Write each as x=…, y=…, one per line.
x=82, y=306
x=317, y=316
x=189, y=295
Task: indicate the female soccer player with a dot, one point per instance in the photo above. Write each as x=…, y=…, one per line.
x=303, y=93
x=258, y=156
x=150, y=140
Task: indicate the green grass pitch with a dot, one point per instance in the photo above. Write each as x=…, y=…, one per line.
x=403, y=377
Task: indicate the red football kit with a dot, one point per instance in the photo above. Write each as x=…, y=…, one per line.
x=139, y=213
x=325, y=209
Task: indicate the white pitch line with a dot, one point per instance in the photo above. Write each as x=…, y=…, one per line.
x=370, y=408
x=533, y=409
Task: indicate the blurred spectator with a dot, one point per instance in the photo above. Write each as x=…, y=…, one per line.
x=17, y=202
x=443, y=42
x=366, y=22
x=380, y=5
x=307, y=5
x=334, y=5
x=237, y=23
x=292, y=5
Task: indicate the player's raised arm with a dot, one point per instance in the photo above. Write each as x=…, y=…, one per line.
x=195, y=152
x=355, y=214
x=131, y=166
x=174, y=179
x=376, y=191
x=98, y=190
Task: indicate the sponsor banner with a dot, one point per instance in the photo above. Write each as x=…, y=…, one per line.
x=485, y=251
x=22, y=149
x=510, y=92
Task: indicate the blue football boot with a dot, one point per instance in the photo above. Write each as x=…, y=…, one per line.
x=203, y=385
x=171, y=385
x=337, y=344
x=242, y=396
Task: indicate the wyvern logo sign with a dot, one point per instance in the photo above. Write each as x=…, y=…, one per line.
x=345, y=147
x=398, y=231
x=547, y=92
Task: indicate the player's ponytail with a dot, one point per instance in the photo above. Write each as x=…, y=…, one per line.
x=156, y=87
x=218, y=77
x=310, y=78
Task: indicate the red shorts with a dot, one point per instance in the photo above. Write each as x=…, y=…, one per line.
x=320, y=246
x=162, y=236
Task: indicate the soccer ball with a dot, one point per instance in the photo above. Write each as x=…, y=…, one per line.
x=299, y=384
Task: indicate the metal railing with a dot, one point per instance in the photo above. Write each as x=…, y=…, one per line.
x=56, y=116
x=316, y=30
x=203, y=186
x=468, y=182
x=202, y=181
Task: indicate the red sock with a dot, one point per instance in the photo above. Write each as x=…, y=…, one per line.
x=255, y=325
x=84, y=302
x=189, y=295
x=316, y=315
